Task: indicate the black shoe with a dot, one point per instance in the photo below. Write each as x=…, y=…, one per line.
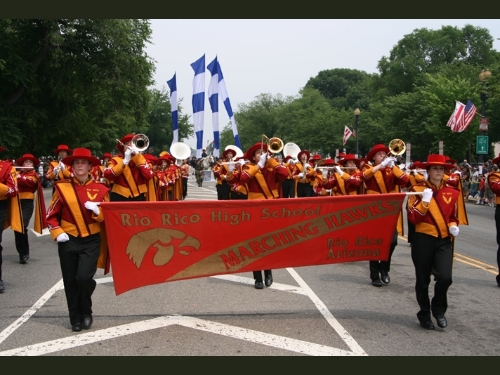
x=87, y=321
x=268, y=280
x=427, y=325
x=377, y=282
x=384, y=276
x=23, y=259
x=2, y=287
x=77, y=327
x=259, y=285
x=441, y=321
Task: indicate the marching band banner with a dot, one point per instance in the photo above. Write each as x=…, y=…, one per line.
x=156, y=242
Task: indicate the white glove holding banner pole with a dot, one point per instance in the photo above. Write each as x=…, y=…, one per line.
x=262, y=161
x=63, y=237
x=92, y=206
x=127, y=157
x=427, y=195
x=230, y=167
x=56, y=170
x=339, y=170
x=324, y=173
x=388, y=162
x=454, y=230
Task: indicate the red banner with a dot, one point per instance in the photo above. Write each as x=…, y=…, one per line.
x=155, y=242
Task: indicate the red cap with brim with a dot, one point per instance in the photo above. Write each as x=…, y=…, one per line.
x=348, y=157
x=25, y=157
x=63, y=148
x=435, y=160
x=124, y=140
x=81, y=153
x=375, y=149
x=226, y=152
x=251, y=151
x=328, y=162
x=299, y=155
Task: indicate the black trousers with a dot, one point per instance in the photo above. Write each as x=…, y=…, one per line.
x=497, y=224
x=22, y=244
x=184, y=187
x=432, y=254
x=223, y=191
x=288, y=188
x=380, y=265
x=235, y=195
x=78, y=259
x=257, y=275
x=114, y=197
x=305, y=190
x=3, y=217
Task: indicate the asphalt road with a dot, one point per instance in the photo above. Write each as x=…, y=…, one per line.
x=308, y=311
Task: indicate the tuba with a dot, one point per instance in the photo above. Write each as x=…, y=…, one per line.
x=180, y=151
x=291, y=149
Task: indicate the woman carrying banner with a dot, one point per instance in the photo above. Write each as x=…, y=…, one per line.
x=383, y=177
x=261, y=176
x=434, y=214
x=74, y=219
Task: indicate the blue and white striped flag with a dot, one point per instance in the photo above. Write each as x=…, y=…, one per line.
x=227, y=104
x=172, y=83
x=199, y=101
x=213, y=99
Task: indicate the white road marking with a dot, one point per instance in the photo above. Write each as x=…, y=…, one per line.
x=249, y=335
x=263, y=338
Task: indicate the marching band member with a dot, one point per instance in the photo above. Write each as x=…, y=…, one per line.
x=237, y=189
x=351, y=176
x=131, y=175
x=414, y=177
x=10, y=213
x=304, y=175
x=185, y=177
x=288, y=185
x=434, y=214
x=105, y=160
x=165, y=177
x=383, y=177
x=74, y=219
x=261, y=176
x=28, y=183
x=494, y=182
x=57, y=169
x=327, y=182
x=220, y=171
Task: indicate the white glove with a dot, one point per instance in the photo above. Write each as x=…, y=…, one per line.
x=92, y=206
x=388, y=162
x=427, y=195
x=128, y=155
x=56, y=170
x=230, y=167
x=241, y=162
x=454, y=230
x=262, y=161
x=329, y=191
x=62, y=166
x=339, y=170
x=457, y=172
x=301, y=175
x=324, y=173
x=63, y=237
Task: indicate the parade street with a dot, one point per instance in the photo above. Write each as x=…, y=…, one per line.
x=328, y=310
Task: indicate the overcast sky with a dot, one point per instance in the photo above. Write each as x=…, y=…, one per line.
x=275, y=56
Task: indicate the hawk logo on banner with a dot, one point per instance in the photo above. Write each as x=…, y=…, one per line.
x=347, y=134
x=156, y=242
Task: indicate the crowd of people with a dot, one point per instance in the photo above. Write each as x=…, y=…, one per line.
x=81, y=181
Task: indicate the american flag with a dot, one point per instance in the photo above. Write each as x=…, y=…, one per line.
x=347, y=134
x=469, y=113
x=462, y=116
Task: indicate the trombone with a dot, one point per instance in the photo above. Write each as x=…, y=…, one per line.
x=274, y=144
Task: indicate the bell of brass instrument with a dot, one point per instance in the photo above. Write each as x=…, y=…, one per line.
x=397, y=147
x=274, y=144
x=139, y=143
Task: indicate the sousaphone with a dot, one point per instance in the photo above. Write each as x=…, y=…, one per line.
x=180, y=151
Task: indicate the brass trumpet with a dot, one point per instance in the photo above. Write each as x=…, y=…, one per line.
x=274, y=144
x=397, y=147
x=139, y=143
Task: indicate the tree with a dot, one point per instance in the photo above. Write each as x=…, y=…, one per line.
x=82, y=82
x=426, y=51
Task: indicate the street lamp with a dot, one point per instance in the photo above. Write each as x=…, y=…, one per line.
x=483, y=78
x=356, y=114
